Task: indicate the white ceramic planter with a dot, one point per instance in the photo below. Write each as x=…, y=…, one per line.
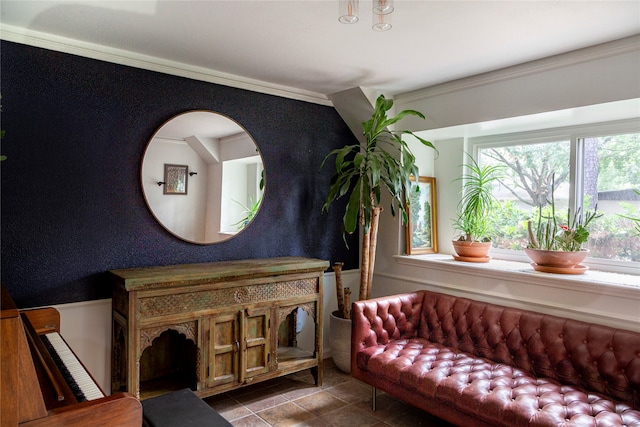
x=340, y=341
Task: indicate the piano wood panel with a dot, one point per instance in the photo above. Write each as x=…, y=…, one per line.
x=23, y=385
x=17, y=369
x=120, y=409
x=47, y=319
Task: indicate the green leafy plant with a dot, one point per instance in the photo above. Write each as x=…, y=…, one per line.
x=249, y=212
x=552, y=236
x=364, y=171
x=473, y=217
x=635, y=219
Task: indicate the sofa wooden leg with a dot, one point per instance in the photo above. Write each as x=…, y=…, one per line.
x=373, y=399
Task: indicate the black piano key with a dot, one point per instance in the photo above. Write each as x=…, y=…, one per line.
x=75, y=389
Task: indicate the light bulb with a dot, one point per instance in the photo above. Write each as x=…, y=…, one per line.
x=382, y=7
x=348, y=11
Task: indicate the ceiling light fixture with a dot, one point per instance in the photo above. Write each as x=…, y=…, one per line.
x=382, y=10
x=381, y=22
x=348, y=11
x=382, y=7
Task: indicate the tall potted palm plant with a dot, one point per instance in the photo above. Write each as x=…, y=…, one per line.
x=363, y=172
x=384, y=162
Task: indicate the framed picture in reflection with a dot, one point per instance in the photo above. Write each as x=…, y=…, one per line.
x=176, y=179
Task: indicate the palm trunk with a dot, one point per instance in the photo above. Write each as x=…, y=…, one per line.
x=365, y=264
x=337, y=267
x=373, y=237
x=369, y=243
x=347, y=303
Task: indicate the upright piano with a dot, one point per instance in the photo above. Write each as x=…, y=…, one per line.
x=42, y=382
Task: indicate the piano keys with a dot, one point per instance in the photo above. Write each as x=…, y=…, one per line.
x=43, y=383
x=83, y=386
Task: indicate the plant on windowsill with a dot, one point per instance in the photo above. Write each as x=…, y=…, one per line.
x=252, y=210
x=249, y=212
x=473, y=218
x=557, y=248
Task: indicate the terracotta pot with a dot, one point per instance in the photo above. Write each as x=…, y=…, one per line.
x=340, y=341
x=466, y=249
x=556, y=258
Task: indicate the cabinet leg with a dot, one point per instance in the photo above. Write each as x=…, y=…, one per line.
x=316, y=372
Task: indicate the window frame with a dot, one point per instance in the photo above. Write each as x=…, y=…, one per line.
x=575, y=135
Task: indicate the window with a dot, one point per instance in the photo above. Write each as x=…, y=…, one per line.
x=583, y=167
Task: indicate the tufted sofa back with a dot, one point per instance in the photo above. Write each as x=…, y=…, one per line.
x=389, y=318
x=598, y=358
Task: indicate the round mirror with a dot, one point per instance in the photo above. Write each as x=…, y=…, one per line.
x=202, y=177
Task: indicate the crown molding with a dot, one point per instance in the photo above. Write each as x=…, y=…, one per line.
x=122, y=57
x=580, y=56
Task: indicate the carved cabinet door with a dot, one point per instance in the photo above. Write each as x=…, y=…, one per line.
x=224, y=349
x=256, y=343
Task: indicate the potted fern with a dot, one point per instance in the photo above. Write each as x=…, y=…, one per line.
x=473, y=218
x=384, y=163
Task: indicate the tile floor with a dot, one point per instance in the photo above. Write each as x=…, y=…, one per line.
x=295, y=401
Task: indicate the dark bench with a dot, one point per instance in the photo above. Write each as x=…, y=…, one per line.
x=182, y=408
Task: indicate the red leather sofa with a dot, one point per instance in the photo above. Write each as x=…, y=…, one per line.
x=478, y=364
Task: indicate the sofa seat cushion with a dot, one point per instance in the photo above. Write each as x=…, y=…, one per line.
x=496, y=393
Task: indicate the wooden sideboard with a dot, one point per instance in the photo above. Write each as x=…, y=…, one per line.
x=215, y=326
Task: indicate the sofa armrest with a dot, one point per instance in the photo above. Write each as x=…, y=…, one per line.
x=380, y=320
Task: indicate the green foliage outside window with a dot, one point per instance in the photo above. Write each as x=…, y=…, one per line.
x=611, y=172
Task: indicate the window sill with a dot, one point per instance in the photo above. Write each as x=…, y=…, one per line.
x=600, y=282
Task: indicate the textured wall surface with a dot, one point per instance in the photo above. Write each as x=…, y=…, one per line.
x=72, y=204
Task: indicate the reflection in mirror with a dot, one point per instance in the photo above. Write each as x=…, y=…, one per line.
x=224, y=177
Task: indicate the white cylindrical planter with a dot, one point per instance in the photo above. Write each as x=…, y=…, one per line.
x=340, y=341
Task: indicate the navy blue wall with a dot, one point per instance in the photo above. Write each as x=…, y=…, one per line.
x=72, y=205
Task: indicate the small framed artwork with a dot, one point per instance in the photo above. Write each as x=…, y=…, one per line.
x=422, y=235
x=176, y=179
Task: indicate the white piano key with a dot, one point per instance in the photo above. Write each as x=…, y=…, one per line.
x=77, y=371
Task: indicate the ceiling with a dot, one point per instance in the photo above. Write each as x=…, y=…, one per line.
x=301, y=46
